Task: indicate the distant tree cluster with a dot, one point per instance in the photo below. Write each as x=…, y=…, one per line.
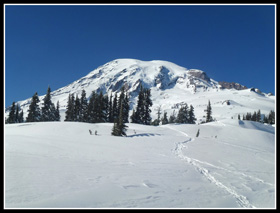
x=98, y=109
x=142, y=114
x=36, y=114
x=15, y=114
x=185, y=116
x=256, y=116
x=48, y=112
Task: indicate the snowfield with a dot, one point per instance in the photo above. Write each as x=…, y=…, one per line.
x=60, y=165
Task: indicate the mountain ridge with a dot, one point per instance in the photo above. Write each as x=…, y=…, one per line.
x=170, y=85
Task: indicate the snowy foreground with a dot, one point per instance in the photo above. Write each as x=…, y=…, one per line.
x=60, y=165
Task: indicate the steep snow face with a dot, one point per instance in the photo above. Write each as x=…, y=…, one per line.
x=170, y=84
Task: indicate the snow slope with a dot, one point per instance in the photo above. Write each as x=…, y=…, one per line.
x=60, y=165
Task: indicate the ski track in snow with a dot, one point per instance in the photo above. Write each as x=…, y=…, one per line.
x=241, y=200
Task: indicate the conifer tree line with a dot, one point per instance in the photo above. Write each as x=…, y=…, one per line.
x=256, y=116
x=98, y=109
x=15, y=114
x=185, y=116
x=48, y=112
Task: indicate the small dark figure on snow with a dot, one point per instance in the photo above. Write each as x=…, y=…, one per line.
x=90, y=132
x=95, y=132
x=197, y=134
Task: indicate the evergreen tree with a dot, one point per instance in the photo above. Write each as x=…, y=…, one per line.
x=139, y=113
x=146, y=119
x=119, y=128
x=91, y=111
x=105, y=105
x=34, y=113
x=156, y=122
x=271, y=117
x=265, y=119
x=115, y=110
x=121, y=125
x=12, y=114
x=209, y=113
x=48, y=107
x=69, y=114
x=172, y=117
x=254, y=116
x=20, y=117
x=110, y=109
x=248, y=116
x=98, y=108
x=17, y=114
x=164, y=120
x=183, y=115
x=77, y=108
x=83, y=107
x=126, y=108
x=57, y=114
x=192, y=118
x=258, y=117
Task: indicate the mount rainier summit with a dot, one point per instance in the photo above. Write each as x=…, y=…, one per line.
x=171, y=85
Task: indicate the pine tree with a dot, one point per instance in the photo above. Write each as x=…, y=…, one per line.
x=248, y=116
x=258, y=117
x=34, y=113
x=98, y=107
x=271, y=117
x=119, y=128
x=69, y=114
x=121, y=125
x=17, y=114
x=48, y=107
x=183, y=115
x=192, y=118
x=57, y=114
x=91, y=111
x=209, y=113
x=265, y=119
x=83, y=107
x=139, y=113
x=254, y=116
x=115, y=111
x=105, y=111
x=12, y=114
x=126, y=108
x=146, y=119
x=110, y=110
x=172, y=117
x=164, y=120
x=20, y=117
x=156, y=122
x=77, y=108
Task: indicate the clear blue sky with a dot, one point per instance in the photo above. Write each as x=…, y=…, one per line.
x=56, y=45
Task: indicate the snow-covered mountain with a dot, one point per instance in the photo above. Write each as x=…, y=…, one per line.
x=229, y=164
x=171, y=85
